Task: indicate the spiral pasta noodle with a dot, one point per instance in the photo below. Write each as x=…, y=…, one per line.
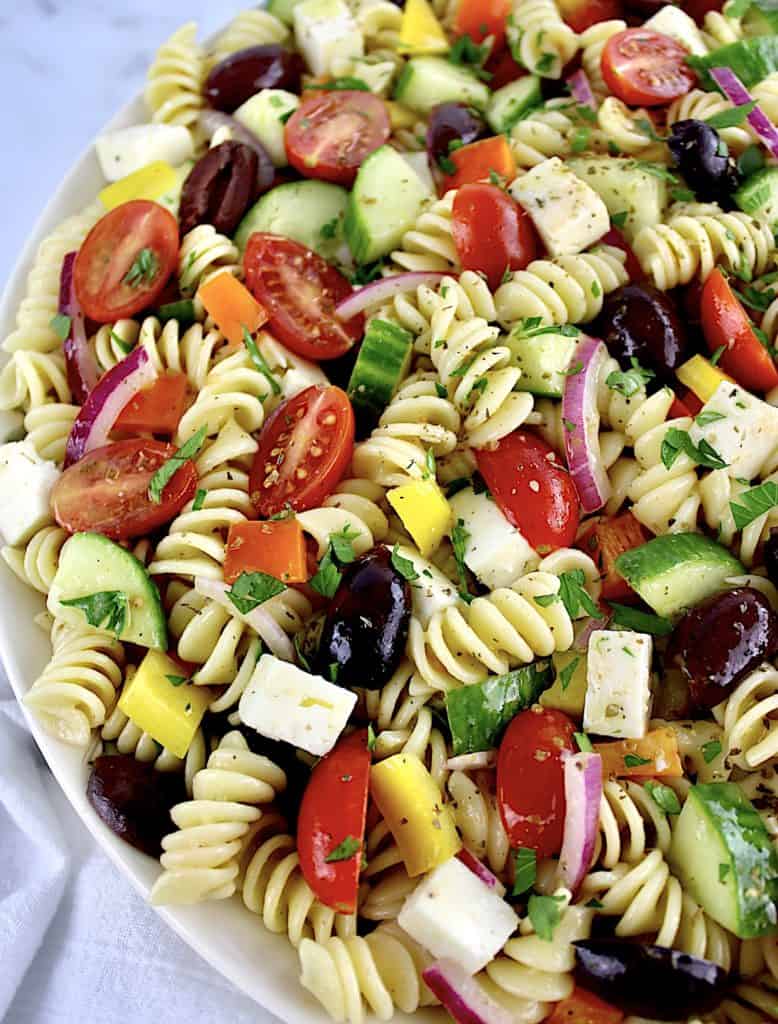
x=593, y=40
x=630, y=824
x=36, y=562
x=378, y=70
x=249, y=28
x=32, y=379
x=699, y=106
x=429, y=245
x=717, y=491
x=48, y=427
x=748, y=720
x=205, y=253
x=544, y=42
x=720, y=30
x=380, y=22
x=622, y=131
x=553, y=130
x=478, y=818
x=175, y=80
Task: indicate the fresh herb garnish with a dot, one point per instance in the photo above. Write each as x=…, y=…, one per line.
x=575, y=597
x=635, y=761
x=459, y=538
x=525, y=870
x=467, y=53
x=61, y=324
x=260, y=363
x=168, y=470
x=629, y=382
x=677, y=441
x=199, y=500
x=711, y=750
x=641, y=622
x=300, y=656
x=702, y=419
x=545, y=914
x=403, y=565
x=252, y=589
x=620, y=218
x=144, y=269
x=121, y=343
x=177, y=680
x=682, y=195
x=664, y=797
x=342, y=546
x=545, y=600
x=339, y=550
x=566, y=674
x=371, y=737
x=754, y=503
x=730, y=118
x=106, y=609
x=583, y=742
x=657, y=171
x=344, y=850
x=714, y=359
x=330, y=229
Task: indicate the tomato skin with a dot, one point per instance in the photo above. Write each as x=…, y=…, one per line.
x=548, y=517
x=481, y=18
x=109, y=251
x=334, y=806
x=156, y=409
x=725, y=322
x=332, y=133
x=503, y=69
x=300, y=291
x=646, y=68
x=318, y=414
x=582, y=14
x=492, y=232
x=584, y=1008
x=530, y=779
x=107, y=490
x=608, y=538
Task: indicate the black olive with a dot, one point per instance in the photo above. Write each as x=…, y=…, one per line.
x=771, y=556
x=650, y=981
x=703, y=159
x=451, y=122
x=366, y=628
x=722, y=640
x=640, y=321
x=243, y=74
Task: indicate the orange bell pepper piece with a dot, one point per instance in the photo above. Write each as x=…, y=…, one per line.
x=654, y=756
x=276, y=547
x=477, y=161
x=232, y=306
x=584, y=1008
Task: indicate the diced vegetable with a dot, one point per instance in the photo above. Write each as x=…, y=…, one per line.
x=149, y=182
x=654, y=756
x=608, y=538
x=127, y=150
x=420, y=31
x=582, y=438
x=232, y=306
x=383, y=362
x=26, y=483
x=481, y=871
x=583, y=792
x=276, y=547
x=584, y=1008
x=80, y=362
x=618, y=683
x=743, y=431
x=325, y=30
x=752, y=60
x=494, y=551
x=463, y=996
x=157, y=408
x=481, y=161
x=568, y=691
x=701, y=377
x=424, y=512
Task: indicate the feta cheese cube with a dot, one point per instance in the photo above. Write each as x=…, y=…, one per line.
x=673, y=22
x=495, y=551
x=455, y=916
x=325, y=31
x=26, y=481
x=569, y=215
x=284, y=703
x=618, y=684
x=433, y=591
x=746, y=432
x=127, y=150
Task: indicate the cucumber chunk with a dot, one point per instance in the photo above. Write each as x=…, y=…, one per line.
x=676, y=571
x=90, y=564
x=509, y=104
x=382, y=363
x=761, y=19
x=626, y=187
x=266, y=115
x=758, y=196
x=723, y=855
x=752, y=60
x=426, y=82
x=385, y=202
x=308, y=212
x=542, y=361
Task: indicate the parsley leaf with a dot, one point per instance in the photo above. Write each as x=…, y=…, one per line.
x=526, y=870
x=467, y=53
x=629, y=382
x=730, y=118
x=300, y=653
x=446, y=164
x=566, y=674
x=677, y=441
x=252, y=589
x=664, y=797
x=61, y=325
x=259, y=362
x=168, y=470
x=635, y=760
x=711, y=750
x=177, y=680
x=328, y=576
x=459, y=538
x=371, y=737
x=403, y=565
x=144, y=269
x=574, y=595
x=754, y=503
x=544, y=600
x=199, y=500
x=717, y=355
x=544, y=914
x=344, y=850
x=620, y=219
x=107, y=609
x=657, y=170
x=330, y=229
x=583, y=742
x=641, y=622
x=342, y=546
x=702, y=419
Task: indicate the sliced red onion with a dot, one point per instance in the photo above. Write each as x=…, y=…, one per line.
x=464, y=997
x=472, y=762
x=581, y=642
x=481, y=871
x=583, y=792
x=581, y=89
x=211, y=120
x=581, y=418
x=736, y=93
x=259, y=618
x=105, y=401
x=386, y=288
x=80, y=363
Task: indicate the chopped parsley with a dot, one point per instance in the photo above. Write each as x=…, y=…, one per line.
x=260, y=363
x=107, y=609
x=177, y=680
x=664, y=797
x=711, y=750
x=344, y=850
x=730, y=118
x=635, y=760
x=459, y=538
x=575, y=597
x=403, y=565
x=61, y=324
x=545, y=914
x=677, y=441
x=144, y=269
x=629, y=382
x=566, y=674
x=641, y=622
x=199, y=500
x=168, y=470
x=252, y=589
x=583, y=742
x=525, y=870
x=754, y=503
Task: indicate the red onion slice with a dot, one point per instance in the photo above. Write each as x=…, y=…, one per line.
x=105, y=401
x=581, y=417
x=581, y=642
x=464, y=997
x=481, y=871
x=259, y=618
x=581, y=89
x=211, y=120
x=386, y=288
x=583, y=792
x=80, y=364
x=736, y=93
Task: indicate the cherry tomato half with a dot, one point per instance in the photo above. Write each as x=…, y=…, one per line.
x=725, y=322
x=126, y=260
x=530, y=779
x=481, y=18
x=330, y=134
x=643, y=67
x=300, y=291
x=332, y=820
x=492, y=232
x=534, y=492
x=304, y=449
x=107, y=490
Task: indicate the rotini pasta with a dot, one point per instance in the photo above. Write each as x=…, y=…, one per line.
x=249, y=28
x=203, y=254
x=543, y=41
x=175, y=80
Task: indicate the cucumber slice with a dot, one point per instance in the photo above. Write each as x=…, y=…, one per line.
x=542, y=361
x=752, y=60
x=266, y=115
x=736, y=878
x=626, y=187
x=509, y=104
x=675, y=572
x=283, y=10
x=385, y=202
x=426, y=82
x=183, y=310
x=308, y=212
x=758, y=196
x=90, y=564
x=382, y=363
x=761, y=19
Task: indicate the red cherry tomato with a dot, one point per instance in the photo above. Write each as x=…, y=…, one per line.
x=331, y=133
x=107, y=490
x=481, y=18
x=156, y=409
x=304, y=449
x=582, y=14
x=530, y=779
x=492, y=232
x=615, y=238
x=584, y=1008
x=604, y=541
x=503, y=69
x=725, y=322
x=300, y=291
x=332, y=815
x=125, y=261
x=646, y=68
x=534, y=492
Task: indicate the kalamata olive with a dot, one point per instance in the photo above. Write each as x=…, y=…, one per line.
x=645, y=7
x=241, y=75
x=771, y=556
x=367, y=623
x=451, y=122
x=638, y=320
x=722, y=640
x=704, y=161
x=219, y=188
x=134, y=800
x=650, y=981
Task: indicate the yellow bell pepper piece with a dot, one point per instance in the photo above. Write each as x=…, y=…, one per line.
x=149, y=182
x=424, y=511
x=701, y=376
x=400, y=116
x=420, y=31
x=169, y=711
x=571, y=696
x=409, y=800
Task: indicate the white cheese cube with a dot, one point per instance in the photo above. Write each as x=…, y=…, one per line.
x=432, y=591
x=569, y=215
x=128, y=149
x=325, y=31
x=26, y=481
x=746, y=432
x=11, y=425
x=672, y=21
x=266, y=114
x=284, y=703
x=455, y=916
x=618, y=684
x=495, y=551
